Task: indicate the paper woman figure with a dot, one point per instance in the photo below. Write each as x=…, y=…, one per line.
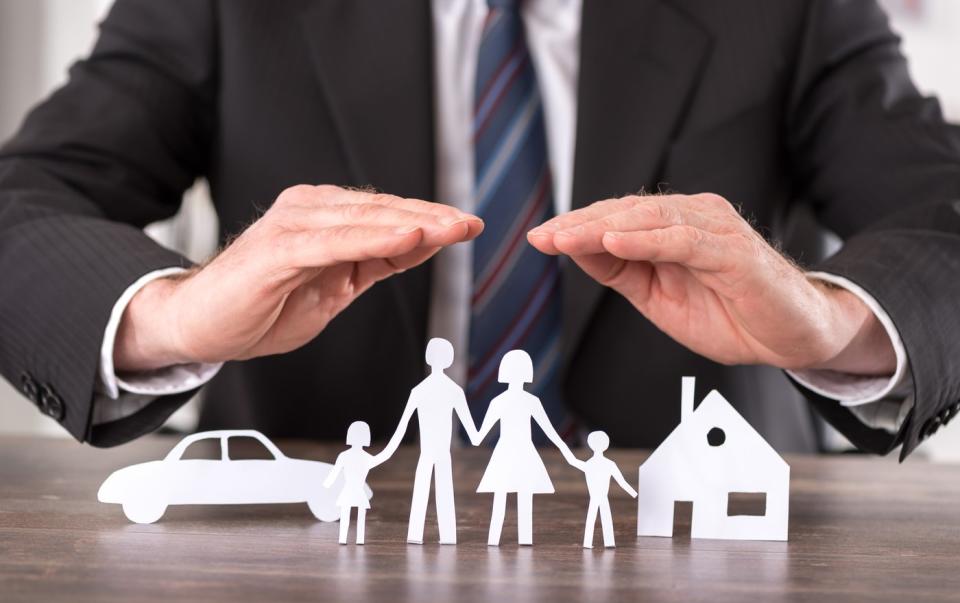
x=515, y=465
x=355, y=463
x=598, y=470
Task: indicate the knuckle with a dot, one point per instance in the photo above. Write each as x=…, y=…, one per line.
x=382, y=198
x=655, y=212
x=294, y=194
x=692, y=235
x=360, y=212
x=715, y=200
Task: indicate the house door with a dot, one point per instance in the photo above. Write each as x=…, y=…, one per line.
x=682, y=518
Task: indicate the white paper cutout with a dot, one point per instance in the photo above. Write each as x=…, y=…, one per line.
x=145, y=490
x=434, y=399
x=599, y=470
x=515, y=465
x=688, y=467
x=354, y=464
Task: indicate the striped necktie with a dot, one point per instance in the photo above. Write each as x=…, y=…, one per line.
x=516, y=290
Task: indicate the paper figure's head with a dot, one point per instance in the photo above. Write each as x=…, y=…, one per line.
x=439, y=353
x=516, y=367
x=598, y=441
x=358, y=434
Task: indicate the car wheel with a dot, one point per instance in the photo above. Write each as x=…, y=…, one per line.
x=324, y=511
x=144, y=512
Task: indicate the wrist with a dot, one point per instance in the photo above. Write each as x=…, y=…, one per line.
x=861, y=344
x=147, y=336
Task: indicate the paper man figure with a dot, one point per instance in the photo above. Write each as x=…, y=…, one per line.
x=598, y=470
x=355, y=463
x=515, y=465
x=434, y=399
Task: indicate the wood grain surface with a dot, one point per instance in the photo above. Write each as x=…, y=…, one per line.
x=860, y=529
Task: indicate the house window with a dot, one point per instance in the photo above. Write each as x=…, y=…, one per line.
x=747, y=503
x=716, y=437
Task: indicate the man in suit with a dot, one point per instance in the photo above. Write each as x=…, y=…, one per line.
x=526, y=121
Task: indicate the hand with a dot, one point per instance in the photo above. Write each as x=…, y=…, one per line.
x=697, y=270
x=285, y=278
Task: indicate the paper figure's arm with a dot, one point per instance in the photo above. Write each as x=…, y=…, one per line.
x=332, y=476
x=489, y=420
x=397, y=437
x=540, y=416
x=617, y=475
x=466, y=419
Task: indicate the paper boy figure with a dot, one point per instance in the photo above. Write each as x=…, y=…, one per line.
x=598, y=470
x=355, y=463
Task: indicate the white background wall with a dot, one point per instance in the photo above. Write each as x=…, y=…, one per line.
x=39, y=39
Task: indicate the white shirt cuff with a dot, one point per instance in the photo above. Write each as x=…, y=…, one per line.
x=148, y=384
x=879, y=402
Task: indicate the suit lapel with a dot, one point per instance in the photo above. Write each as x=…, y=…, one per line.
x=374, y=60
x=639, y=64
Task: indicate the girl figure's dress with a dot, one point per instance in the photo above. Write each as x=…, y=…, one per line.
x=355, y=463
x=515, y=465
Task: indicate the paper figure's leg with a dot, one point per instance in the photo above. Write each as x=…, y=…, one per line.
x=344, y=524
x=443, y=500
x=361, y=524
x=606, y=520
x=496, y=518
x=588, y=529
x=525, y=518
x=418, y=506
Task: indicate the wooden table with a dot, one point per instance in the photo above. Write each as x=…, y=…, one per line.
x=860, y=529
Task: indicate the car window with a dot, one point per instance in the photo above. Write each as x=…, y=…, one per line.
x=245, y=448
x=207, y=448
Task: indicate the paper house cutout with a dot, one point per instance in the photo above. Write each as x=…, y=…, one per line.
x=146, y=490
x=712, y=454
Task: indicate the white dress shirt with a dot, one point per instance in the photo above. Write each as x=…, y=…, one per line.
x=553, y=35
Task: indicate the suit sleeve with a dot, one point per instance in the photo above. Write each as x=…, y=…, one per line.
x=882, y=169
x=110, y=152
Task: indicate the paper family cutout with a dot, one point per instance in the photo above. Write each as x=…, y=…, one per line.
x=712, y=454
x=145, y=490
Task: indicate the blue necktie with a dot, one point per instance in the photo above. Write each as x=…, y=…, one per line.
x=516, y=290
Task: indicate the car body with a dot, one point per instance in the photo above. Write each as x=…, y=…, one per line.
x=145, y=490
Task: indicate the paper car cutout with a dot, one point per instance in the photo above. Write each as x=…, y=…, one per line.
x=147, y=489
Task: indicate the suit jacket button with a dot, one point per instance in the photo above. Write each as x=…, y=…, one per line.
x=29, y=388
x=51, y=404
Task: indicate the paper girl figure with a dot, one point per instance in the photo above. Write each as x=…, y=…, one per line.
x=515, y=465
x=355, y=463
x=598, y=470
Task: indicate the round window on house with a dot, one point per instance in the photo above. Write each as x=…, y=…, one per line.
x=715, y=436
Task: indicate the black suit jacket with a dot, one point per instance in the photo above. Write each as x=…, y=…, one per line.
x=771, y=104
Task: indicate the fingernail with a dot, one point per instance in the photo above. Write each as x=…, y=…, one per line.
x=451, y=220
x=614, y=235
x=403, y=230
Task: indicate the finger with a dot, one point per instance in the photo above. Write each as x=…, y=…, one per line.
x=348, y=196
x=438, y=230
x=542, y=237
x=650, y=214
x=346, y=243
x=687, y=245
x=371, y=271
x=631, y=279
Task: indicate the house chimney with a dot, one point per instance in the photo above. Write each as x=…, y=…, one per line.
x=686, y=397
